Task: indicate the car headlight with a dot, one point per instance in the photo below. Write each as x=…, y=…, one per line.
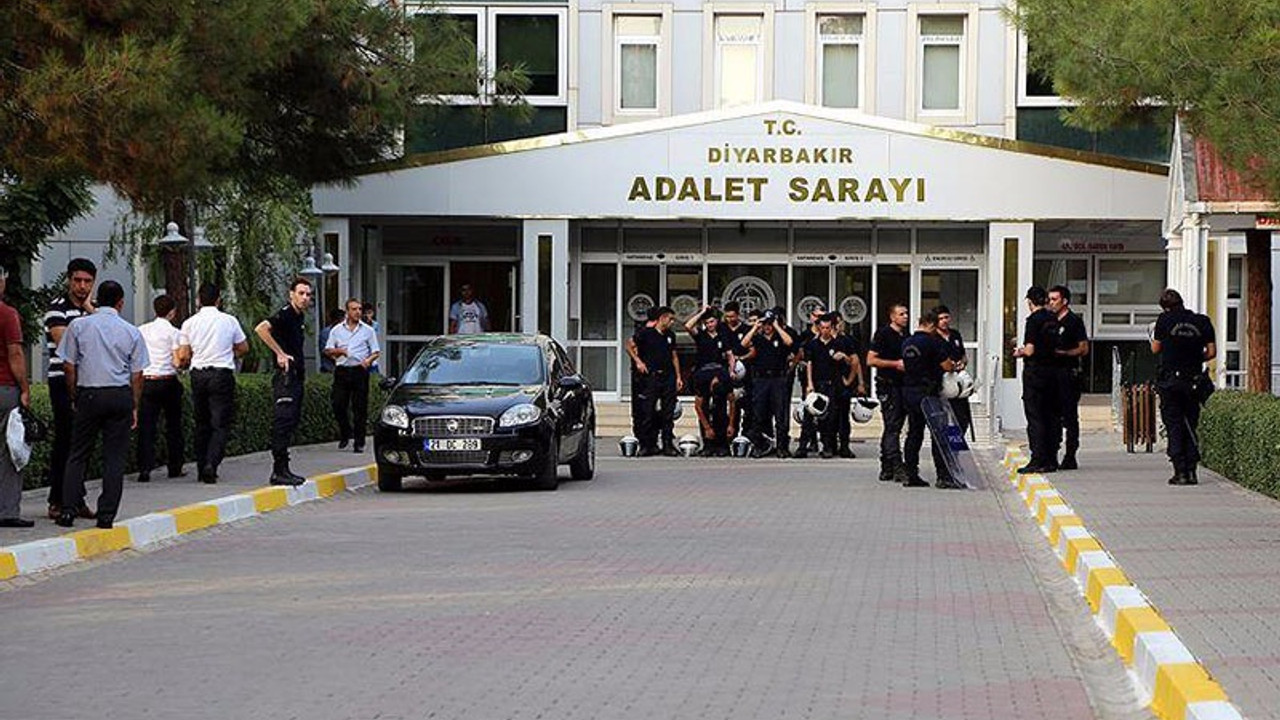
x=395, y=416
x=516, y=415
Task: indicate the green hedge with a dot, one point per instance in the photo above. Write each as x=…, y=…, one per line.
x=251, y=430
x=1240, y=439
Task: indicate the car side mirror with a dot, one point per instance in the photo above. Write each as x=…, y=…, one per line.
x=387, y=383
x=571, y=382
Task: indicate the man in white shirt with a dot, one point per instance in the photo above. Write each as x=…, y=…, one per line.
x=354, y=348
x=210, y=343
x=468, y=316
x=161, y=392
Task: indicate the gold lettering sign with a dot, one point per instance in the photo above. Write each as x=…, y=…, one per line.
x=839, y=188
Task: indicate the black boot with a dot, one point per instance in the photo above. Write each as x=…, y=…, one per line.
x=280, y=475
x=1069, y=462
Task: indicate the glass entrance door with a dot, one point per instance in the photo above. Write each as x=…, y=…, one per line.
x=959, y=290
x=413, y=300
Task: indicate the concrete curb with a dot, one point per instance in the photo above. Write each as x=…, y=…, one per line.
x=140, y=532
x=1176, y=685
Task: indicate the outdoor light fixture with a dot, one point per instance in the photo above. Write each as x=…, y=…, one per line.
x=172, y=238
x=329, y=265
x=200, y=242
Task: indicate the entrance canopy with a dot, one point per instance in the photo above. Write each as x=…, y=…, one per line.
x=780, y=160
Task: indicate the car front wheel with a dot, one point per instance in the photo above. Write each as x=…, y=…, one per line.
x=583, y=467
x=547, y=476
x=389, y=480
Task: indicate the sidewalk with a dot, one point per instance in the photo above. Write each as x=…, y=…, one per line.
x=1208, y=557
x=237, y=475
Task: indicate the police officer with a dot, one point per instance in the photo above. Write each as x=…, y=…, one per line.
x=715, y=349
x=829, y=370
x=1072, y=347
x=653, y=354
x=650, y=318
x=285, y=333
x=739, y=402
x=102, y=360
x=925, y=357
x=849, y=345
x=1183, y=341
x=808, y=424
x=1040, y=378
x=885, y=355
x=955, y=351
x=770, y=344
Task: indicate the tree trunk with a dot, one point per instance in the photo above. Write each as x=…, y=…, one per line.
x=1258, y=262
x=175, y=265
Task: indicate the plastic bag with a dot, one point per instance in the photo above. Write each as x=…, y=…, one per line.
x=16, y=436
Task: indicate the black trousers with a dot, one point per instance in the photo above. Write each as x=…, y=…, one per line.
x=213, y=398
x=711, y=386
x=772, y=408
x=893, y=412
x=1069, y=407
x=916, y=428
x=60, y=399
x=964, y=415
x=656, y=402
x=107, y=412
x=1040, y=402
x=350, y=400
x=160, y=396
x=1180, y=412
x=828, y=426
x=743, y=408
x=843, y=399
x=286, y=389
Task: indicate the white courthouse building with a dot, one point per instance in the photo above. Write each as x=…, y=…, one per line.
x=775, y=153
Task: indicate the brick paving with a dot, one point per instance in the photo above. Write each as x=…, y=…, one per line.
x=663, y=589
x=1207, y=556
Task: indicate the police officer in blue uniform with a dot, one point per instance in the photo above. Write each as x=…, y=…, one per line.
x=925, y=357
x=829, y=370
x=1183, y=341
x=770, y=344
x=1040, y=377
x=885, y=355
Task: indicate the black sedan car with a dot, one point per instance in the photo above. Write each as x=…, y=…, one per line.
x=487, y=405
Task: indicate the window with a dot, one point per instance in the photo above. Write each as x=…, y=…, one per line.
x=942, y=60
x=840, y=64
x=739, y=60
x=504, y=38
x=637, y=47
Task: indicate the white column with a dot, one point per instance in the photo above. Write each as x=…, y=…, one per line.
x=558, y=232
x=1191, y=281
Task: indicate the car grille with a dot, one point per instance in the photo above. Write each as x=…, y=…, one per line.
x=463, y=457
x=438, y=427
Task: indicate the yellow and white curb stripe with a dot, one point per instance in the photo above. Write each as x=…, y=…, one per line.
x=155, y=527
x=1176, y=685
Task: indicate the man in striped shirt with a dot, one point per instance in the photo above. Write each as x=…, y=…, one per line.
x=81, y=275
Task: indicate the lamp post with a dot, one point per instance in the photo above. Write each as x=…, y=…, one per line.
x=315, y=275
x=175, y=241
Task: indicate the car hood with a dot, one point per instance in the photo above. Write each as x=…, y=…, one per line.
x=489, y=400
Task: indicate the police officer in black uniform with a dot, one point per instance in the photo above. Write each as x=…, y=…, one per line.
x=739, y=403
x=808, y=424
x=285, y=333
x=1040, y=377
x=770, y=344
x=925, y=357
x=845, y=393
x=715, y=348
x=1073, y=346
x=829, y=370
x=1183, y=341
x=885, y=355
x=955, y=351
x=653, y=353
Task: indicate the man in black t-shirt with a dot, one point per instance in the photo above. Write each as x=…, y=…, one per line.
x=739, y=403
x=770, y=344
x=1184, y=341
x=849, y=345
x=285, y=333
x=1040, y=378
x=885, y=355
x=925, y=357
x=800, y=338
x=714, y=355
x=955, y=351
x=653, y=354
x=1073, y=346
x=829, y=370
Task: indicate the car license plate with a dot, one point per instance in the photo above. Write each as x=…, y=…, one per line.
x=453, y=444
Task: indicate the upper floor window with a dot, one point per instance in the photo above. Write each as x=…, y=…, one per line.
x=942, y=63
x=739, y=60
x=840, y=63
x=637, y=57
x=531, y=39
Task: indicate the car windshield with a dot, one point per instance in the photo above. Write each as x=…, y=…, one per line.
x=471, y=363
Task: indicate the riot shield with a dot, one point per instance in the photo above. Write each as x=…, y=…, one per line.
x=947, y=435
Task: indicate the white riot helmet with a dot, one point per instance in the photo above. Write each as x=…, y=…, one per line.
x=966, y=382
x=862, y=409
x=950, y=386
x=738, y=370
x=629, y=446
x=741, y=446
x=678, y=410
x=797, y=415
x=816, y=404
x=689, y=445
